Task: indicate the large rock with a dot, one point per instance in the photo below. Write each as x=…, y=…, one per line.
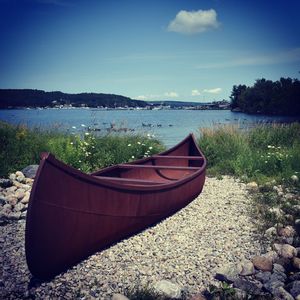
x=247, y=268
x=5, y=183
x=273, y=285
x=2, y=200
x=262, y=263
x=263, y=276
x=252, y=187
x=20, y=193
x=168, y=289
x=294, y=288
x=282, y=294
x=287, y=231
x=20, y=176
x=296, y=263
x=251, y=287
x=285, y=250
x=119, y=297
x=271, y=232
x=30, y=171
x=228, y=273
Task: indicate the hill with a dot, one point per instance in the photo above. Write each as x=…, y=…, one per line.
x=11, y=98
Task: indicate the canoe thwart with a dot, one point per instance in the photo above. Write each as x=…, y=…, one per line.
x=128, y=166
x=178, y=157
x=130, y=180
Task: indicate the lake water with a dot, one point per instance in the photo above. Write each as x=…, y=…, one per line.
x=170, y=126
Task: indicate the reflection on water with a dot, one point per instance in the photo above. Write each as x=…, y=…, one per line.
x=170, y=126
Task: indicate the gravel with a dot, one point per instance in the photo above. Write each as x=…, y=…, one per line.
x=186, y=249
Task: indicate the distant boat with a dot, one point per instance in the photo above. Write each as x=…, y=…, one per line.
x=71, y=215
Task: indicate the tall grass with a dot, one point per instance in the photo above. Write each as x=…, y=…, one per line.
x=21, y=146
x=262, y=153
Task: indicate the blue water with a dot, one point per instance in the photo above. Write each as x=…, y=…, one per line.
x=170, y=126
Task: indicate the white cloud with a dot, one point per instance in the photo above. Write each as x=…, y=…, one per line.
x=192, y=22
x=213, y=91
x=196, y=93
x=171, y=94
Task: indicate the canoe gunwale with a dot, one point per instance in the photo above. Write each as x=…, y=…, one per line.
x=92, y=178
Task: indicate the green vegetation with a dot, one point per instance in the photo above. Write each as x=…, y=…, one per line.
x=263, y=153
x=39, y=98
x=21, y=146
x=267, y=97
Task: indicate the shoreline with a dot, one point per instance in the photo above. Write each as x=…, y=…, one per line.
x=185, y=249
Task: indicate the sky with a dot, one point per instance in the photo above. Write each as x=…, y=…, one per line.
x=185, y=50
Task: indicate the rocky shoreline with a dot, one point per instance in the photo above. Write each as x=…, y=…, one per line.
x=214, y=238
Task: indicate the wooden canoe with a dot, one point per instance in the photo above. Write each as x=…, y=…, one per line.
x=72, y=215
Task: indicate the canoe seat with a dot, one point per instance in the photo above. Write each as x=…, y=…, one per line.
x=178, y=157
x=129, y=166
x=130, y=180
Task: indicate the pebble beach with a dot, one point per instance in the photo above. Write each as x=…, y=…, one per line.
x=215, y=229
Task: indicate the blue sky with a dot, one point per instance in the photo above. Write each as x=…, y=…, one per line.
x=150, y=50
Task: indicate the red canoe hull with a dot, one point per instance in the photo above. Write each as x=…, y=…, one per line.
x=72, y=215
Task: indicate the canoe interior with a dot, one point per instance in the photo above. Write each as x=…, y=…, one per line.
x=71, y=215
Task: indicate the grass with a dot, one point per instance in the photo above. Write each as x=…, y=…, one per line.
x=263, y=153
x=21, y=146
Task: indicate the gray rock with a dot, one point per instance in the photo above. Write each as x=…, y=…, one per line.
x=2, y=200
x=282, y=294
x=30, y=171
x=240, y=294
x=19, y=207
x=11, y=189
x=296, y=263
x=14, y=216
x=12, y=176
x=295, y=288
x=20, y=176
x=297, y=225
x=278, y=277
x=20, y=193
x=272, y=286
x=287, y=231
x=263, y=276
x=277, y=268
x=252, y=187
x=5, y=183
x=277, y=212
x=271, y=232
x=228, y=273
x=251, y=287
x=296, y=209
x=168, y=289
x=247, y=268
x=285, y=250
x=25, y=199
x=295, y=178
x=272, y=255
x=294, y=277
x=119, y=297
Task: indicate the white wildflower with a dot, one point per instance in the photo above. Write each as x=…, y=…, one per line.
x=150, y=147
x=82, y=125
x=132, y=156
x=129, y=145
x=74, y=127
x=139, y=143
x=71, y=143
x=87, y=133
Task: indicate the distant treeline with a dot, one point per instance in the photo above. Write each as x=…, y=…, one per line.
x=281, y=97
x=10, y=98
